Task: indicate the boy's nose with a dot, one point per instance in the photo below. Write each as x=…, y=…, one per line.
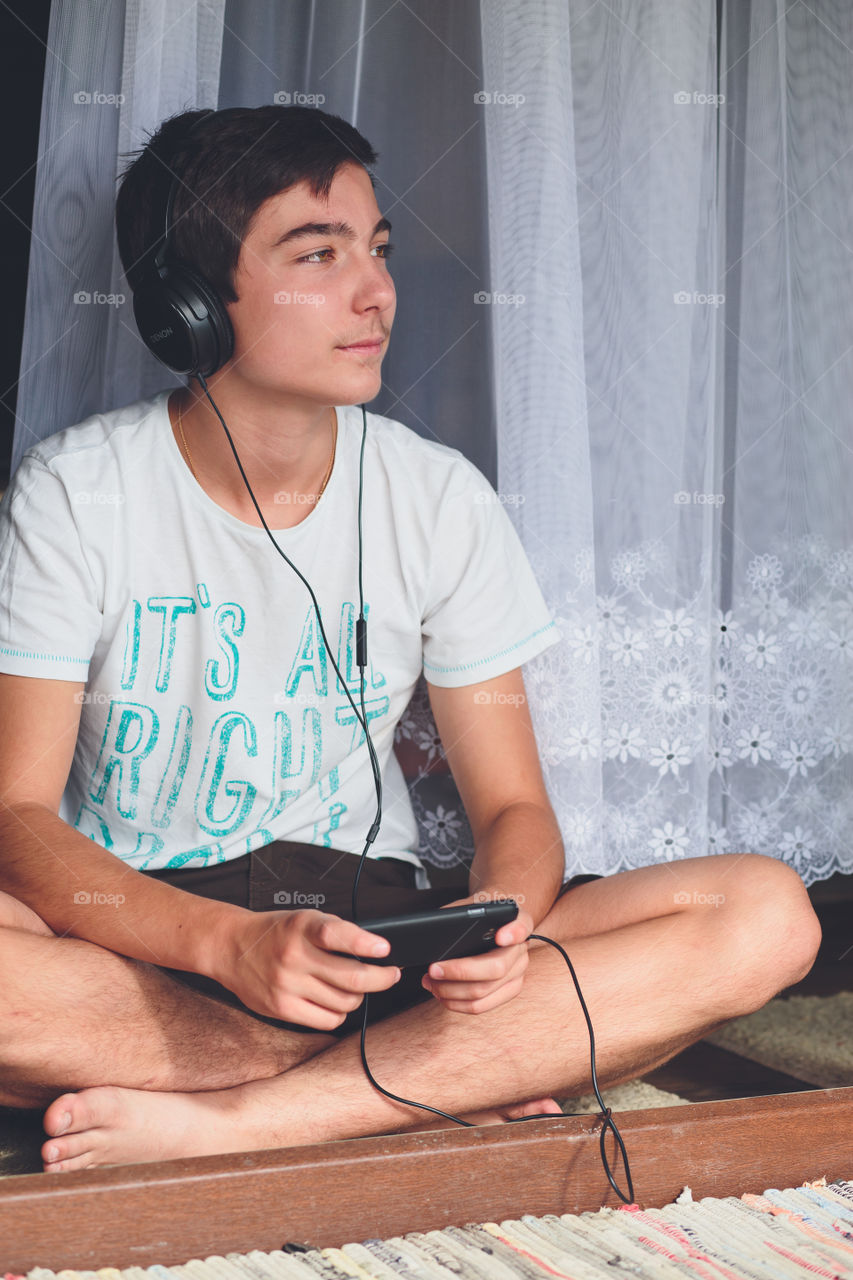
x=376, y=288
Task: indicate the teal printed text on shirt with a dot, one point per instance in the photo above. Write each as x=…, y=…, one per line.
x=232, y=774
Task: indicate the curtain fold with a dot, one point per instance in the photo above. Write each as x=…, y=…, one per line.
x=625, y=292
x=786, y=666
x=118, y=68
x=61, y=377
x=609, y=230
x=407, y=74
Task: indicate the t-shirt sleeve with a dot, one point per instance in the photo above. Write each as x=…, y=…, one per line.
x=485, y=614
x=50, y=619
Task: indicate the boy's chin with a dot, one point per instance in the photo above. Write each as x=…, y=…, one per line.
x=363, y=399
x=368, y=390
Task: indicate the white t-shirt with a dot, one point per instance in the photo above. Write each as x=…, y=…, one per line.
x=213, y=722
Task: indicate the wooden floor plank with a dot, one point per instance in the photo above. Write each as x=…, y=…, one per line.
x=342, y=1191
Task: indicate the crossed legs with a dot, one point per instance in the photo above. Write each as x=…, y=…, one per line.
x=663, y=954
x=73, y=1014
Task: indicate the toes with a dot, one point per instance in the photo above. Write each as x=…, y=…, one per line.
x=536, y=1107
x=74, y=1126
x=59, y=1116
x=548, y=1105
x=67, y=1154
x=89, y=1109
x=70, y=1166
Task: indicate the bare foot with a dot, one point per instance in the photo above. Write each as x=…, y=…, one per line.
x=109, y=1125
x=496, y=1115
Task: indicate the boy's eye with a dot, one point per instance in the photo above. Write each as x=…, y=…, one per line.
x=325, y=255
x=316, y=255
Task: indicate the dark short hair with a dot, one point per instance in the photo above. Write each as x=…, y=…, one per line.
x=226, y=167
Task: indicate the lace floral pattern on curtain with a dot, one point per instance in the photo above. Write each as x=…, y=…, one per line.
x=714, y=735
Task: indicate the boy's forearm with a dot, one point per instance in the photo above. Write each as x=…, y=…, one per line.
x=521, y=855
x=81, y=890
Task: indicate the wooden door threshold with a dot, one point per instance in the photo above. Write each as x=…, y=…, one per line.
x=338, y=1192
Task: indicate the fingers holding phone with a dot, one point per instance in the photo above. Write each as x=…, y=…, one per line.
x=479, y=983
x=308, y=967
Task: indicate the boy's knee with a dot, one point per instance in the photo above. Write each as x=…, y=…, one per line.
x=777, y=927
x=17, y=915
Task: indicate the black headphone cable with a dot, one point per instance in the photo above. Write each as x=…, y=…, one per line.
x=361, y=662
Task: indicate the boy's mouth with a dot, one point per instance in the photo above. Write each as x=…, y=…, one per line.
x=365, y=346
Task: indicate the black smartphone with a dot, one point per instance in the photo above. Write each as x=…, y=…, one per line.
x=445, y=933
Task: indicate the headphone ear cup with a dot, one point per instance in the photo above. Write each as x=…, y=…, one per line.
x=215, y=336
x=183, y=321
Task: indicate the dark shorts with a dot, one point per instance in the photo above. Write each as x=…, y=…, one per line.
x=285, y=876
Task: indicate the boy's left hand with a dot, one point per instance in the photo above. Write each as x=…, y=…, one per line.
x=476, y=984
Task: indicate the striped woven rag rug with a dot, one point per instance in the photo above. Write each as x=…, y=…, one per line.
x=793, y=1233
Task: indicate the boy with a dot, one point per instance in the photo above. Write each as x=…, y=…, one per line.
x=179, y=754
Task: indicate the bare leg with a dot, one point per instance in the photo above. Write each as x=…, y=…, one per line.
x=73, y=1014
x=662, y=955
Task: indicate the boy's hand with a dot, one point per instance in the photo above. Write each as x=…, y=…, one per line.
x=281, y=964
x=476, y=984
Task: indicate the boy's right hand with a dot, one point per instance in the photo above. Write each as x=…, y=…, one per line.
x=282, y=964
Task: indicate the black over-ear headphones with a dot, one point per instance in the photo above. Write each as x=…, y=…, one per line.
x=179, y=314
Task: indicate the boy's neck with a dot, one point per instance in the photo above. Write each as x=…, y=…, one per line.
x=286, y=452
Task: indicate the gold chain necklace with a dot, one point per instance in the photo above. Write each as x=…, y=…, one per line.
x=184, y=442
x=328, y=474
x=326, y=477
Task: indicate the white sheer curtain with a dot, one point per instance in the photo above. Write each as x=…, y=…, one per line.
x=680, y=476
x=607, y=411
x=655, y=382
x=115, y=69
x=787, y=548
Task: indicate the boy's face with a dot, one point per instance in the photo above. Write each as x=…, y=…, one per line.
x=315, y=299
